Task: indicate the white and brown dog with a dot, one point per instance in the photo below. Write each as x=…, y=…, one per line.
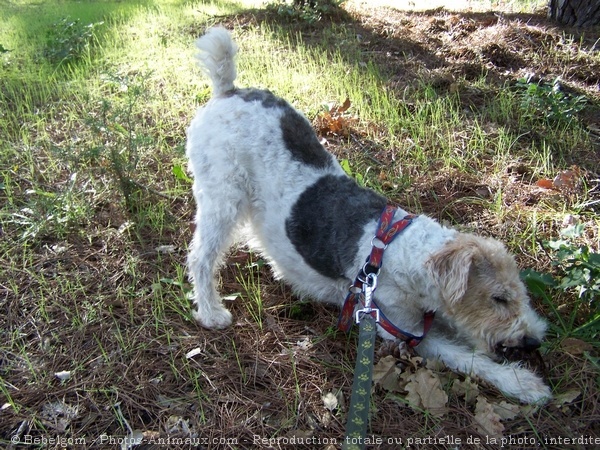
x=257, y=161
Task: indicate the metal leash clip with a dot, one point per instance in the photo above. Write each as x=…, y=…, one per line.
x=368, y=287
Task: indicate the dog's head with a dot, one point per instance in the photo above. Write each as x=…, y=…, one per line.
x=483, y=294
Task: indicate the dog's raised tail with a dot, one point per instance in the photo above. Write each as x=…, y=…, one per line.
x=216, y=57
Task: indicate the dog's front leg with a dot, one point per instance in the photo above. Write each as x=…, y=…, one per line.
x=511, y=379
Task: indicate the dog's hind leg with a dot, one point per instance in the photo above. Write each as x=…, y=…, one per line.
x=215, y=224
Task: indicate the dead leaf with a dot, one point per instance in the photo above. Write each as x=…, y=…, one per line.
x=545, y=183
x=345, y=107
x=335, y=121
x=59, y=415
x=387, y=375
x=425, y=391
x=487, y=421
x=178, y=425
x=567, y=180
x=63, y=375
x=330, y=401
x=467, y=389
x=574, y=346
x=566, y=397
x=401, y=351
x=193, y=352
x=383, y=367
x=506, y=411
x=151, y=435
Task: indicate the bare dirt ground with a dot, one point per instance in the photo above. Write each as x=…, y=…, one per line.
x=260, y=381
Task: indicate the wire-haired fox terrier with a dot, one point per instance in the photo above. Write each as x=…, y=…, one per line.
x=257, y=161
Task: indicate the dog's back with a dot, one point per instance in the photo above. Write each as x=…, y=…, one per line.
x=251, y=137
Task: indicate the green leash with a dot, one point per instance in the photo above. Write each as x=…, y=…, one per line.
x=360, y=400
x=361, y=293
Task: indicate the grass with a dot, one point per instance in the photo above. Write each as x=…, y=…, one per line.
x=95, y=208
x=249, y=280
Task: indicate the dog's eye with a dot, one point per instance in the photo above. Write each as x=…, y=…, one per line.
x=500, y=299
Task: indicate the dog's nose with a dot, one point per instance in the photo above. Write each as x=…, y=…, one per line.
x=531, y=343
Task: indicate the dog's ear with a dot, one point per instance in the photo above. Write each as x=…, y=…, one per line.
x=450, y=267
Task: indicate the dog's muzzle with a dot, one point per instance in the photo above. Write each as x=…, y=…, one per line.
x=526, y=344
x=526, y=351
x=531, y=343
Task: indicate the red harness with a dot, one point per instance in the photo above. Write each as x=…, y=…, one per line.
x=365, y=282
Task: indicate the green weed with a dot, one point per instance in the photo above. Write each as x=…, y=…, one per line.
x=69, y=40
x=121, y=135
x=578, y=272
x=169, y=295
x=52, y=213
x=548, y=101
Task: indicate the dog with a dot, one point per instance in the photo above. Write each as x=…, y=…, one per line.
x=255, y=160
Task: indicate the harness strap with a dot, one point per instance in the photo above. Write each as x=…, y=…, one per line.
x=386, y=232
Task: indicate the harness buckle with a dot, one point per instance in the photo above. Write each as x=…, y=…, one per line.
x=369, y=286
x=359, y=313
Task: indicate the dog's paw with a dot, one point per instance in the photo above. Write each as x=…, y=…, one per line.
x=540, y=394
x=216, y=318
x=526, y=386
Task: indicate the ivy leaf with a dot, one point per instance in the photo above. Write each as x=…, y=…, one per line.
x=180, y=173
x=537, y=282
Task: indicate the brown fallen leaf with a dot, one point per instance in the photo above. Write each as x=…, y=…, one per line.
x=387, y=375
x=567, y=180
x=545, y=183
x=574, y=346
x=405, y=356
x=330, y=401
x=425, y=392
x=486, y=420
x=566, y=397
x=505, y=410
x=467, y=389
x=335, y=121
